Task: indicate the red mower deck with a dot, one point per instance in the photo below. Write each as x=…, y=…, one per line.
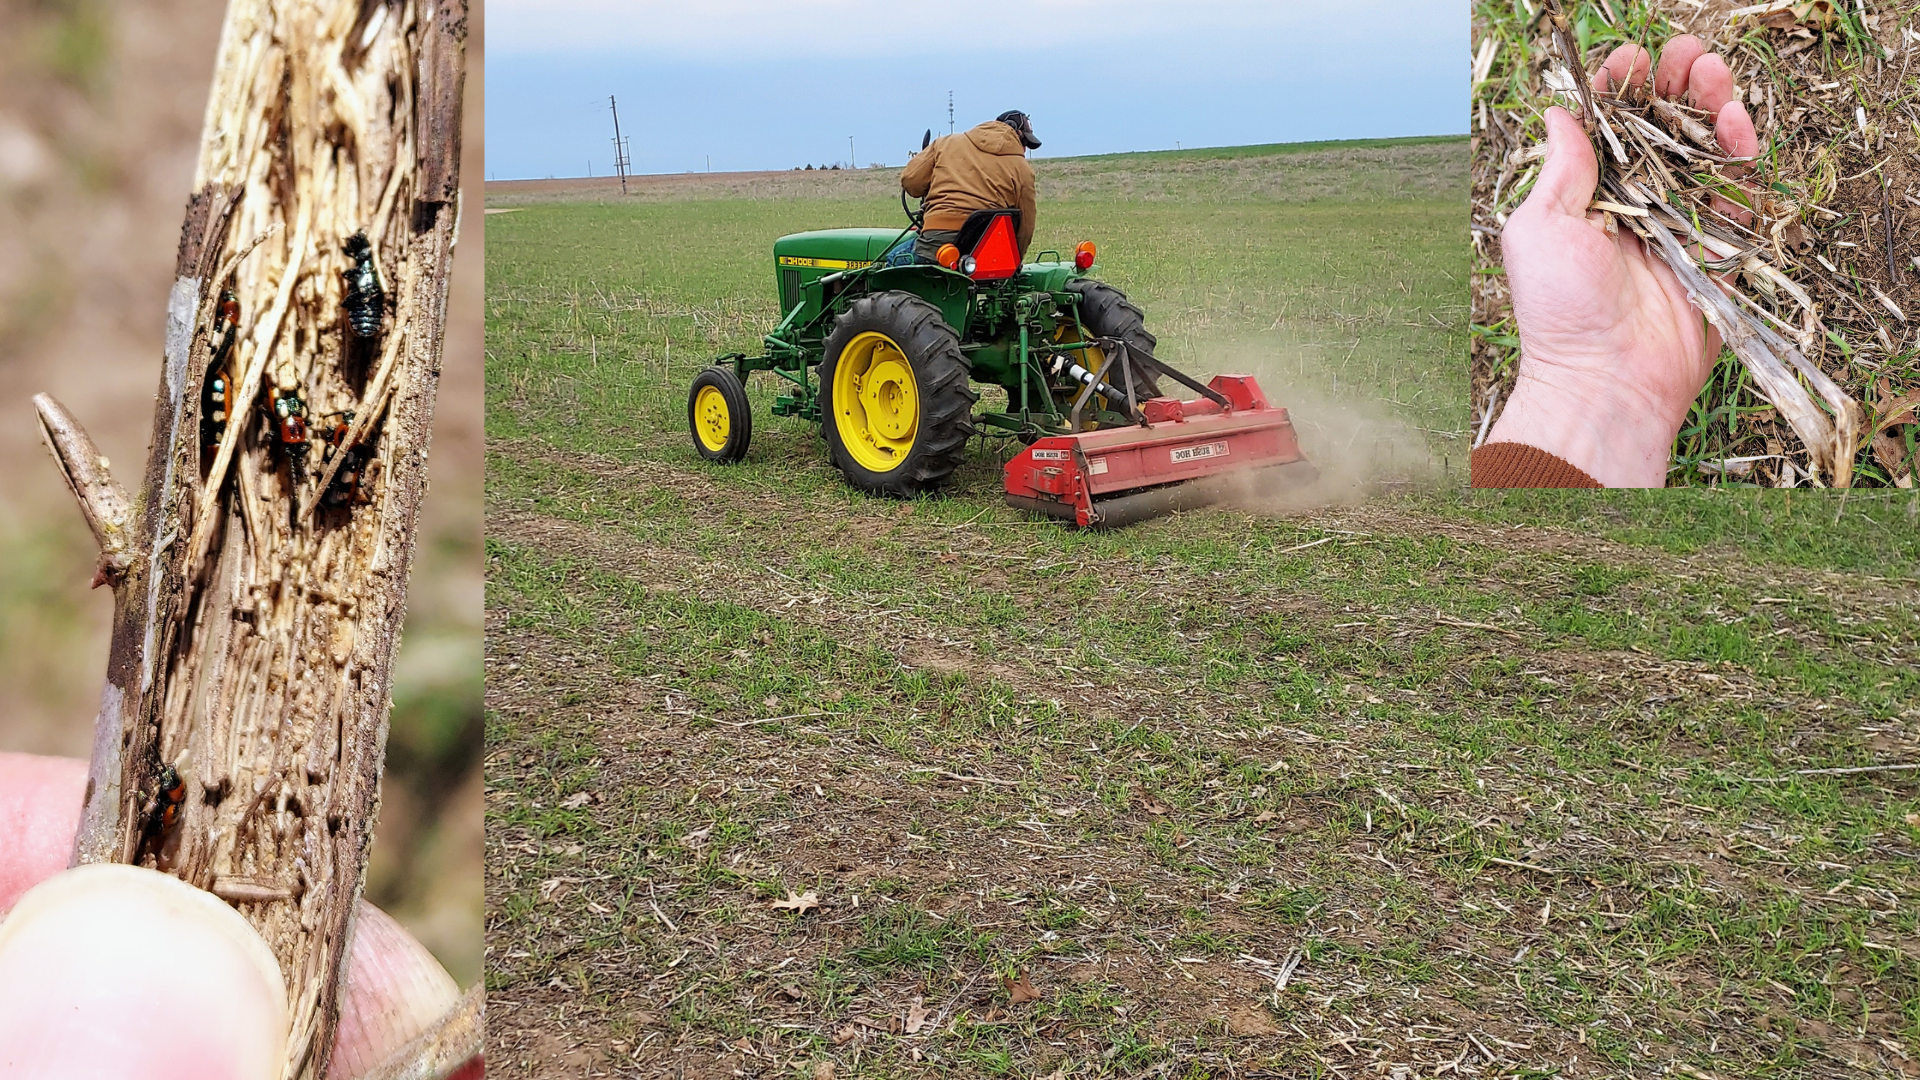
x=1188, y=454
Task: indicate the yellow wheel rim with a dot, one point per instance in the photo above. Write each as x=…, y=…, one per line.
x=711, y=420
x=876, y=404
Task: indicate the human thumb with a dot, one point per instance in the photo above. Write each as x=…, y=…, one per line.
x=1571, y=171
x=110, y=970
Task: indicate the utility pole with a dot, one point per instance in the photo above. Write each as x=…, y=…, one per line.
x=949, y=112
x=620, y=157
x=852, y=163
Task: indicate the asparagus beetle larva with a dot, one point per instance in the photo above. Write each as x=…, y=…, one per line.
x=366, y=302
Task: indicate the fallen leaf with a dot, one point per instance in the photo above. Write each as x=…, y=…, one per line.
x=1890, y=410
x=798, y=903
x=846, y=1035
x=1265, y=816
x=1914, y=820
x=823, y=1071
x=917, y=1014
x=1250, y=1020
x=1154, y=806
x=554, y=888
x=576, y=800
x=949, y=557
x=1891, y=453
x=1020, y=989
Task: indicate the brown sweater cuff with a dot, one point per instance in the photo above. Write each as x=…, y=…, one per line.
x=1517, y=465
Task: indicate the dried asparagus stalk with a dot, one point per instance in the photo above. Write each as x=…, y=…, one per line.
x=258, y=605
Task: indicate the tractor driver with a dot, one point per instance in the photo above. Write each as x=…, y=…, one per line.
x=982, y=169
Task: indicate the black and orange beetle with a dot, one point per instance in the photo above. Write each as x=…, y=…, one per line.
x=166, y=801
x=348, y=487
x=214, y=405
x=290, y=424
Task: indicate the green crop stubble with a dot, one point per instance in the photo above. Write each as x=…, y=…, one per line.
x=1539, y=728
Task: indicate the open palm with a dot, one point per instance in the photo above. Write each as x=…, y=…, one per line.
x=1612, y=352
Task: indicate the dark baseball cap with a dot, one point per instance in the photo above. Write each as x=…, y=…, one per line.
x=1021, y=126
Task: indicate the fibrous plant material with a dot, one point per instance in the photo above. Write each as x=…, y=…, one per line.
x=260, y=573
x=1794, y=256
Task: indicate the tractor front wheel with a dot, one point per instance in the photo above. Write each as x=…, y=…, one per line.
x=719, y=416
x=899, y=395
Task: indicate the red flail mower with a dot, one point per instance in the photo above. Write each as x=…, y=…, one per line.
x=1181, y=455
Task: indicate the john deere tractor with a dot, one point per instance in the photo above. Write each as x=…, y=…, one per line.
x=885, y=352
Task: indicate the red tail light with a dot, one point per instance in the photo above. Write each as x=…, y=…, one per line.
x=1083, y=255
x=997, y=256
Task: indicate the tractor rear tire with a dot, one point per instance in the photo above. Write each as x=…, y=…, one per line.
x=719, y=415
x=916, y=438
x=1106, y=312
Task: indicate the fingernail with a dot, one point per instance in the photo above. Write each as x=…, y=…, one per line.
x=110, y=970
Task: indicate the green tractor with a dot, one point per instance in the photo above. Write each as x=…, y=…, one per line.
x=885, y=351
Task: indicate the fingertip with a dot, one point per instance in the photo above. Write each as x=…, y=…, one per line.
x=111, y=970
x=1710, y=84
x=1628, y=64
x=40, y=801
x=394, y=990
x=1733, y=129
x=1676, y=65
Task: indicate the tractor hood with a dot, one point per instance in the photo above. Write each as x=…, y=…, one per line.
x=833, y=249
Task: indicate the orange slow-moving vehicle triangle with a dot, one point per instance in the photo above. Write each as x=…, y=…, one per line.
x=996, y=256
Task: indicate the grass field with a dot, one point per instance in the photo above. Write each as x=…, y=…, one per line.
x=786, y=781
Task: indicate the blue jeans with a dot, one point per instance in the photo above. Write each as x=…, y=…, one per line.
x=900, y=254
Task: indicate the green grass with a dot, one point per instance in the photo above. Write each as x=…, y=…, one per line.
x=1513, y=782
x=1259, y=150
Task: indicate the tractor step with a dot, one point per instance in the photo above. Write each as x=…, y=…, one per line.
x=1188, y=454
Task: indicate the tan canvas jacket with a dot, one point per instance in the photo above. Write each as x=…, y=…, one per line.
x=981, y=169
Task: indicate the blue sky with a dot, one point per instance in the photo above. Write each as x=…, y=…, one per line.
x=774, y=84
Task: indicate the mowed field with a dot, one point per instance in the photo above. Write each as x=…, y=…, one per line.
x=788, y=781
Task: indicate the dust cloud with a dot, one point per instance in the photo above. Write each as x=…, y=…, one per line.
x=1359, y=445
